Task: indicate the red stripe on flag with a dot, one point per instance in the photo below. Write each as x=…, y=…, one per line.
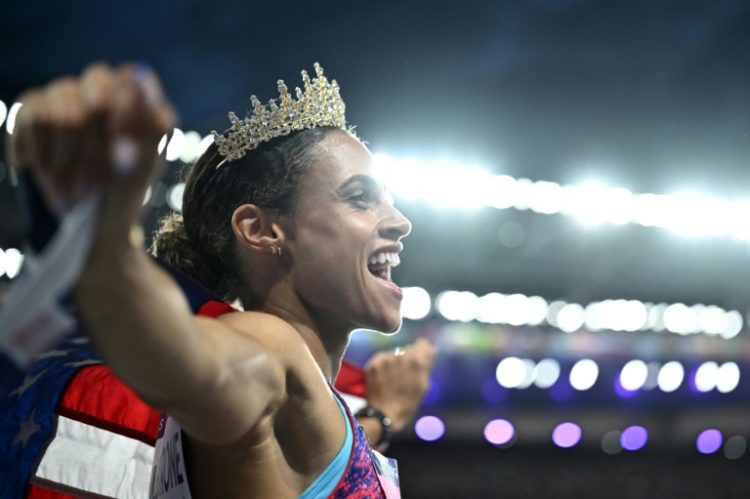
x=37, y=492
x=213, y=308
x=351, y=379
x=95, y=396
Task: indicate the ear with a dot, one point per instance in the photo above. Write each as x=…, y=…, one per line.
x=255, y=229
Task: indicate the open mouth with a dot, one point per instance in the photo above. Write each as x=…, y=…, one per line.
x=381, y=263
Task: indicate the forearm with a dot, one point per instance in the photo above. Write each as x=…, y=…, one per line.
x=373, y=429
x=140, y=322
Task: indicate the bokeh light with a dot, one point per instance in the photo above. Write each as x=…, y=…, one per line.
x=709, y=441
x=584, y=374
x=546, y=373
x=416, y=303
x=671, y=376
x=634, y=438
x=511, y=372
x=429, y=428
x=633, y=375
x=611, y=442
x=735, y=447
x=499, y=432
x=566, y=435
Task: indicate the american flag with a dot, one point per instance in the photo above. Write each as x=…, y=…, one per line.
x=71, y=428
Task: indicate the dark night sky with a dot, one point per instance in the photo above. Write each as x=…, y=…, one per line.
x=649, y=95
x=654, y=96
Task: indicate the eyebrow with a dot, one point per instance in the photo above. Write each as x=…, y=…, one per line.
x=365, y=179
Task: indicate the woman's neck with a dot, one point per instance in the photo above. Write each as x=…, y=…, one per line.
x=327, y=342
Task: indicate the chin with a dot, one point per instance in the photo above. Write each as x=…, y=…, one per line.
x=388, y=326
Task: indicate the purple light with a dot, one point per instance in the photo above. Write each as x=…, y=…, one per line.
x=634, y=438
x=622, y=391
x=709, y=441
x=566, y=435
x=499, y=432
x=429, y=428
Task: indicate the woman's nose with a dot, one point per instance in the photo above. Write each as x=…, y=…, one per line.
x=396, y=226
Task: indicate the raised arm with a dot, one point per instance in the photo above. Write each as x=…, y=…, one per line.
x=102, y=130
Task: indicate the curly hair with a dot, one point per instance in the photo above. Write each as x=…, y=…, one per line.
x=200, y=241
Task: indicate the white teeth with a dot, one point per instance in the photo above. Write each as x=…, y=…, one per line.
x=382, y=258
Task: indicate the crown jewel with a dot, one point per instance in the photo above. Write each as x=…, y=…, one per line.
x=317, y=104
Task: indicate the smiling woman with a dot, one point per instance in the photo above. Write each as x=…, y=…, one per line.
x=283, y=214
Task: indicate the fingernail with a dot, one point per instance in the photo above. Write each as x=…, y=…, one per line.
x=124, y=153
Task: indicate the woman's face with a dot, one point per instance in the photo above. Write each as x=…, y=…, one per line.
x=345, y=238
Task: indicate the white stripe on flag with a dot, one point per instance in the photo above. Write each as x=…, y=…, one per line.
x=90, y=459
x=355, y=403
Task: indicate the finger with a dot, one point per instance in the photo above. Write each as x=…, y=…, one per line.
x=97, y=84
x=425, y=346
x=68, y=137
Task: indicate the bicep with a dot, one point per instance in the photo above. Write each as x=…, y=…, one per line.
x=243, y=383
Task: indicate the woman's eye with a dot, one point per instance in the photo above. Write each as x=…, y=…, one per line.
x=362, y=197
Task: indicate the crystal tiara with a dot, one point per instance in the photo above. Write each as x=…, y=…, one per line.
x=317, y=104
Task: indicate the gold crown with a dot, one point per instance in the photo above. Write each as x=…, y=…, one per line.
x=319, y=104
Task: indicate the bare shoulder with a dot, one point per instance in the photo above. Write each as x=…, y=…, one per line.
x=275, y=334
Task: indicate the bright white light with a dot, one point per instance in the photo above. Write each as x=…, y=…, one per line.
x=633, y=375
x=506, y=191
x=518, y=308
x=10, y=124
x=655, y=320
x=712, y=319
x=174, y=196
x=670, y=376
x=553, y=310
x=440, y=182
x=205, y=143
x=2, y=262
x=733, y=325
x=706, y=376
x=679, y=318
x=694, y=214
x=570, y=318
x=13, y=262
x=528, y=378
x=492, y=308
x=192, y=149
x=176, y=145
x=444, y=182
x=511, y=372
x=586, y=202
x=537, y=310
x=416, y=303
x=458, y=305
x=3, y=112
x=584, y=374
x=162, y=144
x=546, y=373
x=147, y=196
x=546, y=198
x=727, y=377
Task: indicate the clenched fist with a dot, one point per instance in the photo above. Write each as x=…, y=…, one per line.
x=397, y=381
x=100, y=129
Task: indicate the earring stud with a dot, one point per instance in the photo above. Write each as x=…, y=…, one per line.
x=275, y=250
